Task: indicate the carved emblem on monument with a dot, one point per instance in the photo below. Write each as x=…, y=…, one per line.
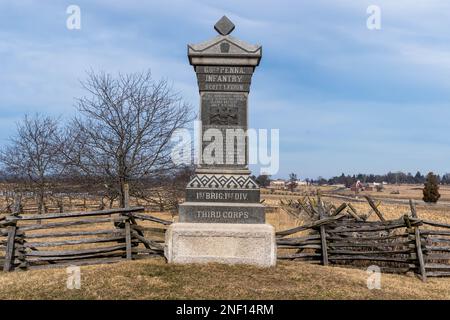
x=223, y=115
x=224, y=47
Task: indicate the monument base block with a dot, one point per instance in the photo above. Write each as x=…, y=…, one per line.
x=252, y=244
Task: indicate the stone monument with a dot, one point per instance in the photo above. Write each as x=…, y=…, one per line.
x=222, y=219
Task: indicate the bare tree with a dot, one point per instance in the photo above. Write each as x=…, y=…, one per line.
x=33, y=154
x=125, y=127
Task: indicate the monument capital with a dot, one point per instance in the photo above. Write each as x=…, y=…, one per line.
x=224, y=49
x=224, y=26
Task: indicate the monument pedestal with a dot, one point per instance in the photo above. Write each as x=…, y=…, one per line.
x=252, y=244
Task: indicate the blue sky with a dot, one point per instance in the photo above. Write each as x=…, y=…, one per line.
x=345, y=98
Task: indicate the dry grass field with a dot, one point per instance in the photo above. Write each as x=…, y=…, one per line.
x=154, y=279
x=439, y=212
x=404, y=192
x=408, y=191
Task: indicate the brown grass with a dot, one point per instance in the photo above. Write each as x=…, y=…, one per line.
x=406, y=191
x=154, y=279
x=389, y=210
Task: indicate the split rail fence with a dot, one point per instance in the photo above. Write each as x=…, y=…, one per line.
x=36, y=241
x=341, y=236
x=335, y=236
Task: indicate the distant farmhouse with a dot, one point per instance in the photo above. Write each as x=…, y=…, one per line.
x=359, y=186
x=278, y=184
x=281, y=184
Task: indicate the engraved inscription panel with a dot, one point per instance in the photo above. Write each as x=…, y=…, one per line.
x=224, y=69
x=221, y=214
x=224, y=109
x=224, y=78
x=239, y=87
x=226, y=112
x=223, y=195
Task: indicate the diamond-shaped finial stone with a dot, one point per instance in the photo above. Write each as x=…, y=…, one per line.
x=224, y=26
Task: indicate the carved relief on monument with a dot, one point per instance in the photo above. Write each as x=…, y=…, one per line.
x=223, y=109
x=223, y=115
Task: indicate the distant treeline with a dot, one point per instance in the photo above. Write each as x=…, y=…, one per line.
x=348, y=180
x=391, y=178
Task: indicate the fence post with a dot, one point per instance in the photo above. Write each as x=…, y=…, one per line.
x=418, y=243
x=374, y=208
x=323, y=237
x=17, y=206
x=11, y=240
x=128, y=240
x=420, y=254
x=9, y=254
x=126, y=198
x=126, y=195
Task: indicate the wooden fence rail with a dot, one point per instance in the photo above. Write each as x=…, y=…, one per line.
x=29, y=241
x=349, y=239
x=334, y=236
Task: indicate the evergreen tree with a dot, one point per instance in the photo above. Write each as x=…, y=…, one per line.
x=263, y=180
x=321, y=181
x=292, y=182
x=446, y=178
x=431, y=188
x=418, y=178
